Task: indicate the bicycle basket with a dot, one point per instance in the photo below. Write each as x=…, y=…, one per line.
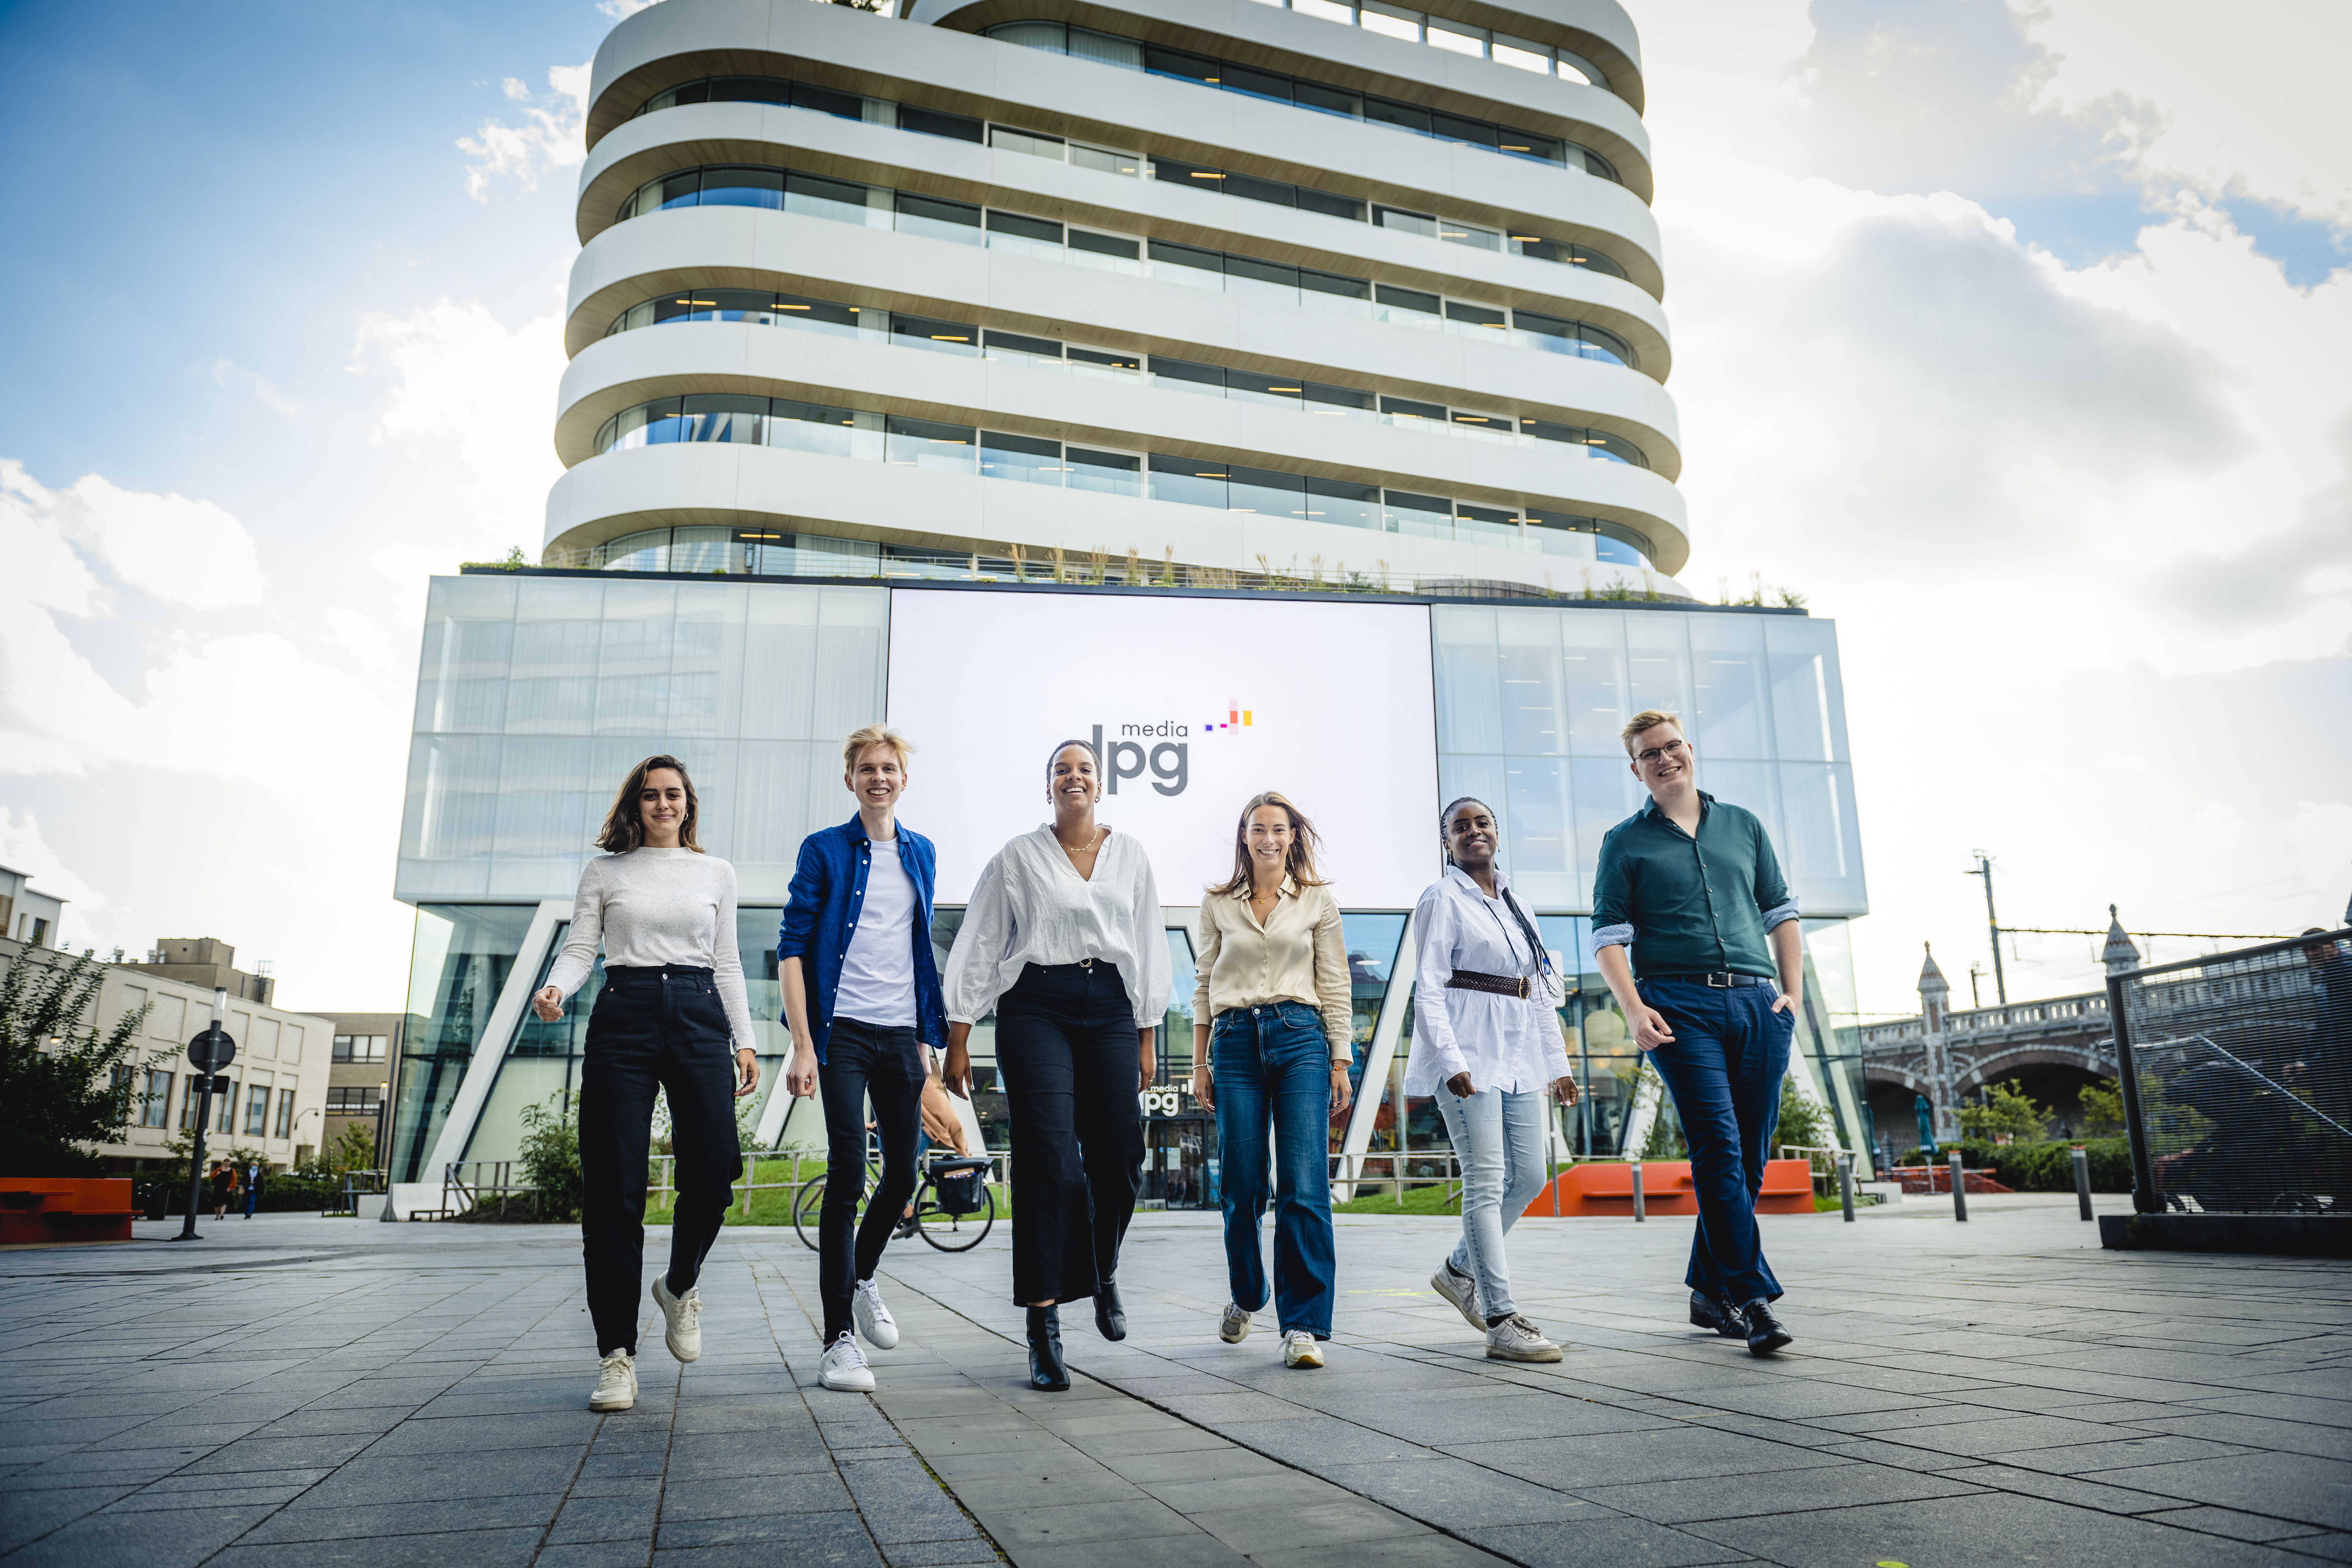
x=961, y=1184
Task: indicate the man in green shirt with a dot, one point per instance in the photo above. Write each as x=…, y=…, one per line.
x=1690, y=885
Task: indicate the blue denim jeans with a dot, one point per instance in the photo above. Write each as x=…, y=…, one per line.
x=1271, y=1066
x=1729, y=1054
x=1501, y=1140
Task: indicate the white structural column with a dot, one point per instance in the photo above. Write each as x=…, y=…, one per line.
x=1386, y=294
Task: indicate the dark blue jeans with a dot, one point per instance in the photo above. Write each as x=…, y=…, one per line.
x=885, y=1064
x=1723, y=1070
x=1271, y=1066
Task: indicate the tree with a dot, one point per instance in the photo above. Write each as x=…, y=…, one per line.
x=550, y=1157
x=2101, y=1103
x=2007, y=1112
x=352, y=1150
x=1804, y=1122
x=62, y=1084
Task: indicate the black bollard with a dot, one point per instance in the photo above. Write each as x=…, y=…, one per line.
x=1959, y=1190
x=1845, y=1184
x=2083, y=1180
x=1638, y=1213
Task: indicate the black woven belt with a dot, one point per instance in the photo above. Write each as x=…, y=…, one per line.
x=1496, y=984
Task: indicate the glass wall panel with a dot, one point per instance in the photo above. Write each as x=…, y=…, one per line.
x=1373, y=957
x=1807, y=703
x=1192, y=482
x=1730, y=687
x=458, y=967
x=927, y=444
x=1657, y=664
x=1469, y=688
x=1106, y=473
x=1820, y=844
x=1340, y=501
x=1527, y=665
x=1023, y=459
x=1592, y=657
x=1267, y=493
x=1541, y=837
x=1425, y=517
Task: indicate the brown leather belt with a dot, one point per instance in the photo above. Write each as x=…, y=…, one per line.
x=1496, y=984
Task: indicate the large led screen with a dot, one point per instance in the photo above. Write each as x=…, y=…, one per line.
x=1195, y=704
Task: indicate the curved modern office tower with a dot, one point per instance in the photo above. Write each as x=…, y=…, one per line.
x=1200, y=292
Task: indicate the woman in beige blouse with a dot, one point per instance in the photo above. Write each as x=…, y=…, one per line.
x=1271, y=1046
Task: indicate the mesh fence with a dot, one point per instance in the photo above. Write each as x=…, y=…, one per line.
x=2242, y=1064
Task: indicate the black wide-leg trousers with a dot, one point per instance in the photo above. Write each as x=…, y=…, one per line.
x=652, y=1029
x=1065, y=1044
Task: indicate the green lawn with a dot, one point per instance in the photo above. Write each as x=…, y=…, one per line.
x=774, y=1205
x=1417, y=1200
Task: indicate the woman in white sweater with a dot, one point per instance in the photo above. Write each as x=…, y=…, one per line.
x=672, y=1004
x=1064, y=938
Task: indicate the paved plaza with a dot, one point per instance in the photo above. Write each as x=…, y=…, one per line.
x=299, y=1391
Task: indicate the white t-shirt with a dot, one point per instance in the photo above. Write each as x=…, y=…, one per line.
x=878, y=972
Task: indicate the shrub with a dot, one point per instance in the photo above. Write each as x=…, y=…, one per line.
x=2006, y=1110
x=550, y=1158
x=2045, y=1167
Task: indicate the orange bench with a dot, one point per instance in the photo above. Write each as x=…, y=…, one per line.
x=1606, y=1187
x=64, y=1209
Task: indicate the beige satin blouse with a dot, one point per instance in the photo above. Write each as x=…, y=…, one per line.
x=1298, y=955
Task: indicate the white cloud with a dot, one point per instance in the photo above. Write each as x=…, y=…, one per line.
x=180, y=551
x=548, y=137
x=478, y=397
x=622, y=10
x=22, y=847
x=227, y=371
x=2321, y=831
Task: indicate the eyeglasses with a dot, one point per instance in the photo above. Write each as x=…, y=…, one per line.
x=1671, y=748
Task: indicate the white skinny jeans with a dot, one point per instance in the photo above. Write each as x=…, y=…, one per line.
x=1500, y=1138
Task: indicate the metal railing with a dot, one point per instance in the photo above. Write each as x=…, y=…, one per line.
x=1399, y=1177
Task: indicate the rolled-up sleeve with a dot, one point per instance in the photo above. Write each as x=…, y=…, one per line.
x=1333, y=993
x=1773, y=899
x=1613, y=896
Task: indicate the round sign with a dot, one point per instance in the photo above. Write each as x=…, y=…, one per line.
x=212, y=1050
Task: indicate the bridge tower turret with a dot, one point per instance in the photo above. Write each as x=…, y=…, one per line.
x=1935, y=1016
x=2119, y=955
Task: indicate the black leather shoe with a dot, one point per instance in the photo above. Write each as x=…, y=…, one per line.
x=1765, y=1333
x=1109, y=1316
x=1718, y=1313
x=1047, y=1374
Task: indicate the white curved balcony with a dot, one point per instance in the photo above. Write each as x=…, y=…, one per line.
x=739, y=248
x=1400, y=171
x=725, y=485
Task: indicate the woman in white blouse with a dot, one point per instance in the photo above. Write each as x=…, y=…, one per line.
x=1064, y=939
x=1486, y=1042
x=671, y=1006
x=1273, y=1035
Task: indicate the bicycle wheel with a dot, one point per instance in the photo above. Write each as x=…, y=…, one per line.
x=954, y=1233
x=805, y=1205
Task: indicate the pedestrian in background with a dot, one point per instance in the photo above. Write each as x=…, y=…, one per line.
x=1064, y=939
x=224, y=1178
x=1273, y=1036
x=862, y=999
x=1689, y=887
x=672, y=1003
x=1486, y=1043
x=253, y=1188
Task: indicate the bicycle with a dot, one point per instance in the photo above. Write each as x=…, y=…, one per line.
x=948, y=1231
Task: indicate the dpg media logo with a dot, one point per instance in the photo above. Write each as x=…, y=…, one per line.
x=1163, y=748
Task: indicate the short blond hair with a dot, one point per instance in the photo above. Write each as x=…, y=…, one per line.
x=1647, y=719
x=872, y=735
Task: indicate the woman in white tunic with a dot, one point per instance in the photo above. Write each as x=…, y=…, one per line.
x=1065, y=939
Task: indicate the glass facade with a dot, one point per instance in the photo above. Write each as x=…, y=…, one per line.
x=536, y=692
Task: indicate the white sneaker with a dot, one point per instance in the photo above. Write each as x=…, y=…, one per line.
x=1234, y=1326
x=616, y=1382
x=1462, y=1290
x=1299, y=1348
x=874, y=1319
x=681, y=1318
x=1516, y=1339
x=843, y=1369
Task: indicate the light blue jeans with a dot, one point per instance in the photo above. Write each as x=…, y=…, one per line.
x=1500, y=1138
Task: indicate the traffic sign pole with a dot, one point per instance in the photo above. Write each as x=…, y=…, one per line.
x=208, y=1053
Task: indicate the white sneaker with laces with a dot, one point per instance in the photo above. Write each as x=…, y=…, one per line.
x=1299, y=1348
x=842, y=1367
x=874, y=1319
x=1460, y=1290
x=616, y=1382
x=681, y=1318
x=1516, y=1339
x=1234, y=1326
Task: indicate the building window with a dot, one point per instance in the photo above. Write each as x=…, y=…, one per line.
x=256, y=1111
x=353, y=1100
x=285, y=1114
x=156, y=1108
x=360, y=1047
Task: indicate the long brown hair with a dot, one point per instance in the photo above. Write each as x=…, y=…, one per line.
x=1299, y=864
x=624, y=825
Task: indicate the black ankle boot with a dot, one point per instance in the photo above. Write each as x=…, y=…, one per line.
x=1109, y=1316
x=1047, y=1373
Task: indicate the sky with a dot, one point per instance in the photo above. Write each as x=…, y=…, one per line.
x=2011, y=335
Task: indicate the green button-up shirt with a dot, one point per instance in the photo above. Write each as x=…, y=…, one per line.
x=1691, y=906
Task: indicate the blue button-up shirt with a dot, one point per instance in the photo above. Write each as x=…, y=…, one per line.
x=828, y=895
x=1690, y=905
